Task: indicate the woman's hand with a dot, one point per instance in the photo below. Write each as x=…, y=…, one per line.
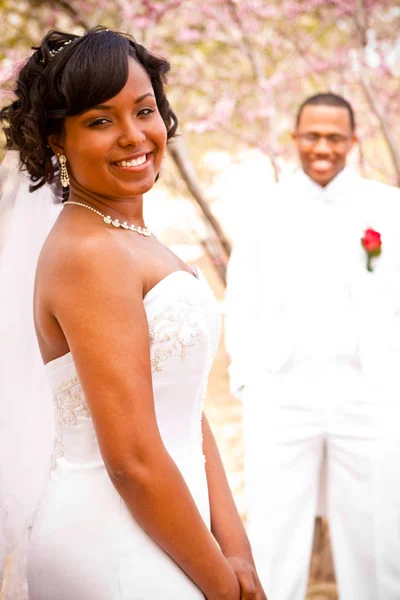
x=250, y=585
x=231, y=589
x=226, y=523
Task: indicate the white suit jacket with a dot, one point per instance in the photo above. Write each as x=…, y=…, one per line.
x=298, y=283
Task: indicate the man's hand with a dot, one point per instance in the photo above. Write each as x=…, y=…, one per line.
x=249, y=582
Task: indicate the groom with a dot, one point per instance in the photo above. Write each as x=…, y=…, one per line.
x=313, y=331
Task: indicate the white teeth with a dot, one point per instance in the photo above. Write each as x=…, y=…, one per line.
x=132, y=163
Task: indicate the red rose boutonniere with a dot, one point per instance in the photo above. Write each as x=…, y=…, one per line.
x=372, y=244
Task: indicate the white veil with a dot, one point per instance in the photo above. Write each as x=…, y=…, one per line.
x=26, y=414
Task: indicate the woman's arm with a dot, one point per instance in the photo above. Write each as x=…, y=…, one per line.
x=98, y=303
x=226, y=524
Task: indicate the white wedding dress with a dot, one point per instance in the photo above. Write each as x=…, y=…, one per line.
x=85, y=544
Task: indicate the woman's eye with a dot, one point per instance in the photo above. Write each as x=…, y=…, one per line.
x=145, y=112
x=98, y=122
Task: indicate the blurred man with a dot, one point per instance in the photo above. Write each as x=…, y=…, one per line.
x=313, y=313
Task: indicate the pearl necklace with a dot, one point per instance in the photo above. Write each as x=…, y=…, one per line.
x=115, y=222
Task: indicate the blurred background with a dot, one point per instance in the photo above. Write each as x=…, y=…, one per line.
x=239, y=71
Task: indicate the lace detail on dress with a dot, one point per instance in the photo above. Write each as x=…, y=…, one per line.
x=69, y=404
x=174, y=331
x=182, y=325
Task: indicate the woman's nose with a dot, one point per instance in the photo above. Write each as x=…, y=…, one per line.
x=131, y=134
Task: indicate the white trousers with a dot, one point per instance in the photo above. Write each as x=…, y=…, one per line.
x=290, y=424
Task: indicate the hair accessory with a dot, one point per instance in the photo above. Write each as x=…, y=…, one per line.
x=64, y=173
x=145, y=231
x=52, y=53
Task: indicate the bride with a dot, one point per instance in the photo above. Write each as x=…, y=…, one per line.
x=135, y=503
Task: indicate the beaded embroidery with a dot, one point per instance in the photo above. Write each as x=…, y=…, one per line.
x=69, y=404
x=174, y=330
x=178, y=327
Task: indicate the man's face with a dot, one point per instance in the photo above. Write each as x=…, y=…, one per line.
x=324, y=138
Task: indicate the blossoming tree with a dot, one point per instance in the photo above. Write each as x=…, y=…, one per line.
x=241, y=68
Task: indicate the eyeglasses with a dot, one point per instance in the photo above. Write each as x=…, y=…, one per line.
x=312, y=139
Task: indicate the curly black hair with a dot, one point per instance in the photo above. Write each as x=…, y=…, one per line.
x=65, y=76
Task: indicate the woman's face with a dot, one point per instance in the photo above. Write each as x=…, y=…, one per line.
x=116, y=149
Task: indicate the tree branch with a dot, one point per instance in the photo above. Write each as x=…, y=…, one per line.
x=180, y=157
x=361, y=22
x=67, y=7
x=366, y=86
x=391, y=140
x=258, y=74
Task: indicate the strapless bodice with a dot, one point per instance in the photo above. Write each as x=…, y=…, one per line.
x=184, y=327
x=86, y=542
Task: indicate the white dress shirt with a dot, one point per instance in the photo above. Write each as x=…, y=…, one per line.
x=298, y=287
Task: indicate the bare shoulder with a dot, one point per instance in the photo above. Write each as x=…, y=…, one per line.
x=88, y=264
x=92, y=285
x=78, y=253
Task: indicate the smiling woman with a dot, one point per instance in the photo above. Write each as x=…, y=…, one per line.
x=115, y=148
x=127, y=496
x=56, y=77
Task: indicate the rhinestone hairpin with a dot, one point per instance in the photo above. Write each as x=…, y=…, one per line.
x=52, y=53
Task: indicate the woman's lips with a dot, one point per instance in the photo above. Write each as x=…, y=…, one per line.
x=134, y=165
